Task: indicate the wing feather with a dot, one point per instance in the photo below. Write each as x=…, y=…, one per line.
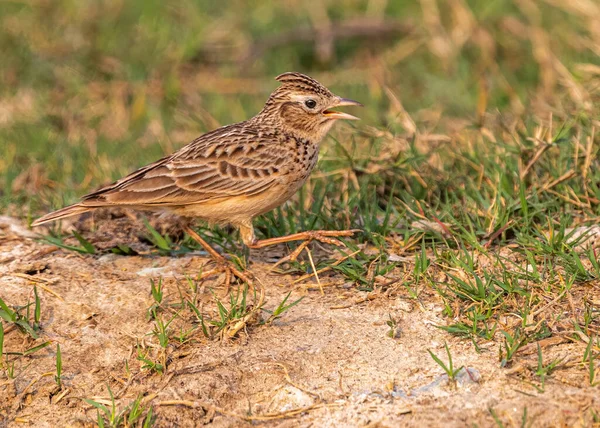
x=232, y=162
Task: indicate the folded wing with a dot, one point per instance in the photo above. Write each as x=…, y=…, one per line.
x=213, y=167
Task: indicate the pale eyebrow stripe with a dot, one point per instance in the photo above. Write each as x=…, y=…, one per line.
x=301, y=97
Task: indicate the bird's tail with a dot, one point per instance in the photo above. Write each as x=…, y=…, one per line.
x=69, y=211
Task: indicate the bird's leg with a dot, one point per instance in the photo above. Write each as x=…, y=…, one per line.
x=223, y=265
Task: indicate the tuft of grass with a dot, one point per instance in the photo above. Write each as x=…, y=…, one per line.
x=591, y=363
x=422, y=263
x=512, y=343
x=237, y=309
x=149, y=363
x=543, y=371
x=281, y=308
x=363, y=269
x=200, y=317
x=162, y=331
x=157, y=293
x=23, y=320
x=133, y=414
x=237, y=313
x=392, y=324
x=448, y=368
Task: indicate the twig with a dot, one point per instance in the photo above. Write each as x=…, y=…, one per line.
x=314, y=268
x=38, y=281
x=327, y=268
x=371, y=296
x=294, y=384
x=569, y=174
x=552, y=302
x=19, y=398
x=264, y=417
x=497, y=234
x=534, y=159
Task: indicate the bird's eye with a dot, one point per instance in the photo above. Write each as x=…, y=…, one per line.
x=310, y=103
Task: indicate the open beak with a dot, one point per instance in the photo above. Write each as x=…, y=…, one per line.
x=331, y=114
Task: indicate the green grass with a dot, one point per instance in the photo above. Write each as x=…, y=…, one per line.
x=449, y=369
x=58, y=377
x=133, y=414
x=20, y=316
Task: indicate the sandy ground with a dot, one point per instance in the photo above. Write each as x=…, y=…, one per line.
x=327, y=362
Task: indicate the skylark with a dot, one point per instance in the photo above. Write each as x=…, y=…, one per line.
x=236, y=172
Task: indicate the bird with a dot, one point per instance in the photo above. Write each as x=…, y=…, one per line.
x=234, y=173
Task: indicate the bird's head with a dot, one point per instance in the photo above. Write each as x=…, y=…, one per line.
x=304, y=107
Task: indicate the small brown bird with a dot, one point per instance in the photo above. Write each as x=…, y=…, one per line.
x=236, y=172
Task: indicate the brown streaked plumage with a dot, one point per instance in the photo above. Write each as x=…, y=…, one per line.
x=236, y=172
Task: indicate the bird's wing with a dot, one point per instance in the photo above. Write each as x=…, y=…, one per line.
x=230, y=162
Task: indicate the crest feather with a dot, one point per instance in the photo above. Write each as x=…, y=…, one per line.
x=301, y=82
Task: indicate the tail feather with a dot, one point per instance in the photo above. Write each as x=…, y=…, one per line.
x=69, y=211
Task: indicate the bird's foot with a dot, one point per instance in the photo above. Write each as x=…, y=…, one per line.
x=223, y=265
x=324, y=236
x=229, y=269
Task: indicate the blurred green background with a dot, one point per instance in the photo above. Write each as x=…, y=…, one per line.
x=90, y=90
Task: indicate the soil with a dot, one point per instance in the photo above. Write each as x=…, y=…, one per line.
x=327, y=362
